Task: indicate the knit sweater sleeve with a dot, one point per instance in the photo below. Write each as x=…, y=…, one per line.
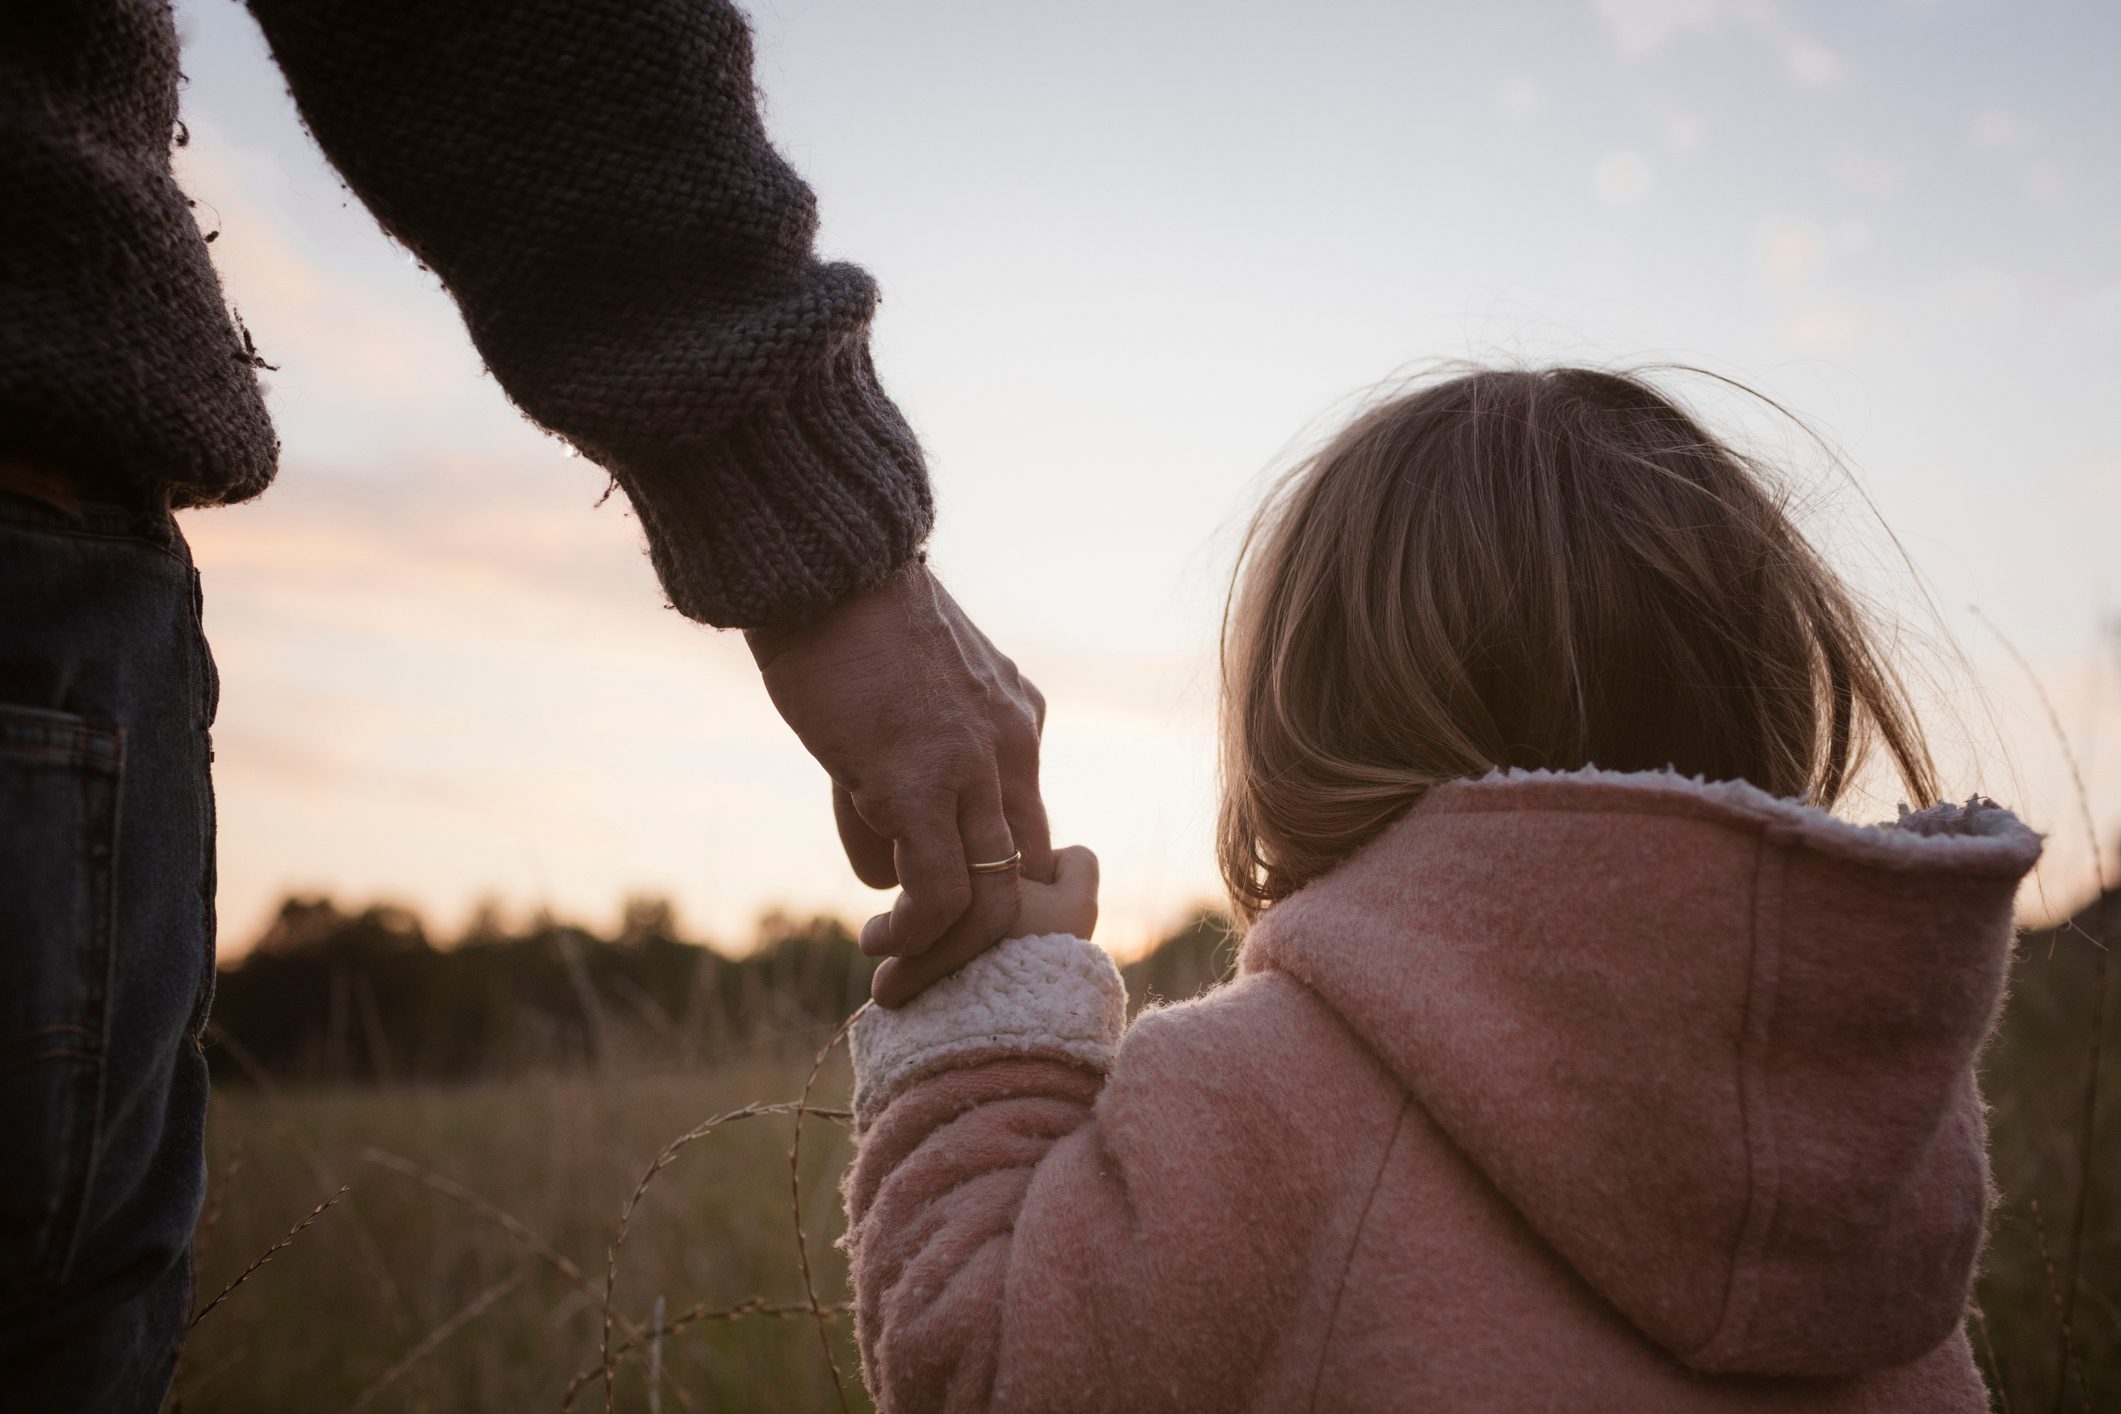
x=1043, y=1216
x=592, y=182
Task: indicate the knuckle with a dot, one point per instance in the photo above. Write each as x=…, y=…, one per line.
x=883, y=808
x=921, y=811
x=932, y=775
x=974, y=760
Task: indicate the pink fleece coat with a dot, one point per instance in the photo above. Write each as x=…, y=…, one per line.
x=1570, y=1092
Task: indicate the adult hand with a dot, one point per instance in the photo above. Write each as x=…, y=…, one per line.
x=1067, y=905
x=931, y=738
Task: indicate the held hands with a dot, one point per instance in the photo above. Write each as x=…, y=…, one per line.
x=931, y=738
x=1067, y=905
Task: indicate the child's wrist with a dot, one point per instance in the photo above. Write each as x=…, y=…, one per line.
x=1050, y=995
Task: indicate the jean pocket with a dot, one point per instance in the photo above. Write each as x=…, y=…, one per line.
x=59, y=778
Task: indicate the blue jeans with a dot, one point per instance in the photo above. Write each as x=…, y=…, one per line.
x=106, y=951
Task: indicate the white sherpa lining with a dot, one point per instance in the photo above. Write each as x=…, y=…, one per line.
x=1978, y=831
x=1052, y=995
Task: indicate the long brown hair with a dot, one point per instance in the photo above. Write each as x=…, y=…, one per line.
x=1550, y=568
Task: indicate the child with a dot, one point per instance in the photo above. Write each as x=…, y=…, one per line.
x=1579, y=1059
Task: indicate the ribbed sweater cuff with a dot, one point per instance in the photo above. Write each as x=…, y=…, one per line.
x=790, y=509
x=1052, y=996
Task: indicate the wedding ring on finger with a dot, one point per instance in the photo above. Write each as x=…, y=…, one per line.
x=999, y=866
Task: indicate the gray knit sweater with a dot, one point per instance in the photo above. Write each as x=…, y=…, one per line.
x=590, y=180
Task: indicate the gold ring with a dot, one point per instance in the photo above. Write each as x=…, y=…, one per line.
x=999, y=866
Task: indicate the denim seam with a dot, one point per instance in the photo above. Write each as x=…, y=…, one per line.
x=70, y=745
x=57, y=1053
x=100, y=966
x=209, y=871
x=14, y=1063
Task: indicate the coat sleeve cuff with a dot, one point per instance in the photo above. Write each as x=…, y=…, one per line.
x=1052, y=996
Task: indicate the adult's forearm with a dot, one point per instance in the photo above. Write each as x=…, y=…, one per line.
x=592, y=182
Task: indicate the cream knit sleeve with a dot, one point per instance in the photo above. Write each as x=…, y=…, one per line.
x=1053, y=997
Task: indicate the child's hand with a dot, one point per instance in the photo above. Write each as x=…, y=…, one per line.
x=1067, y=905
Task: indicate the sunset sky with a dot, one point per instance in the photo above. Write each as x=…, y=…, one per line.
x=1134, y=257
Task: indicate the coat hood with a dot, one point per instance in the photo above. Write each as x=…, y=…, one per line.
x=1717, y=1048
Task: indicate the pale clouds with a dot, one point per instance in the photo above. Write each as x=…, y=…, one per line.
x=2019, y=142
x=1684, y=133
x=1797, y=253
x=1522, y=98
x=449, y=676
x=2100, y=482
x=468, y=688
x=1791, y=251
x=1641, y=27
x=1823, y=328
x=1810, y=62
x=1854, y=236
x=2001, y=130
x=1972, y=300
x=331, y=337
x=1868, y=173
x=1621, y=178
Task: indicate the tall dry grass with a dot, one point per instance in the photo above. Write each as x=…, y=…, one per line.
x=2049, y=1293
x=502, y=1245
x=465, y=1268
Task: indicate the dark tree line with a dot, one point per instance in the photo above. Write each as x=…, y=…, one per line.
x=367, y=995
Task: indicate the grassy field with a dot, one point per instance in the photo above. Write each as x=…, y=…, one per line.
x=2034, y=1077
x=463, y=1269
x=407, y=1295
